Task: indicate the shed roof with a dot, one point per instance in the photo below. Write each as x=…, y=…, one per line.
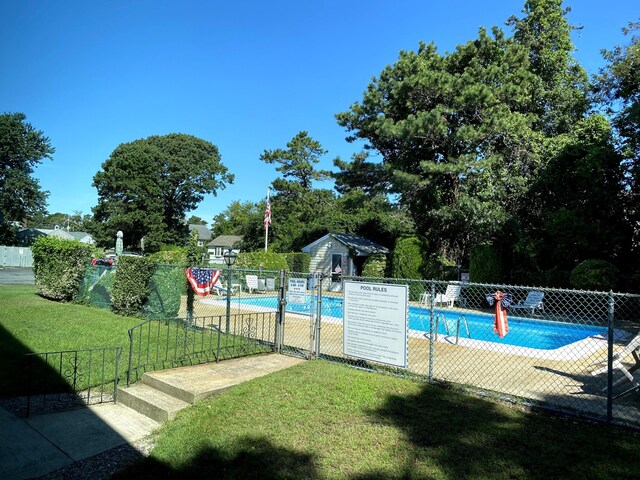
x=362, y=246
x=225, y=241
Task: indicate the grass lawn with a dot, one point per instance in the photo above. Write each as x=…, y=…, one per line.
x=29, y=323
x=324, y=420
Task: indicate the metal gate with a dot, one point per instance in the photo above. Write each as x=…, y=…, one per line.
x=300, y=311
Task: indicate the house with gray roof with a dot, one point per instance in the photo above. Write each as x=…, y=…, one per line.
x=204, y=234
x=220, y=244
x=28, y=235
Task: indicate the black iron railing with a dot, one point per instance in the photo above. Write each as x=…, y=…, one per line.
x=160, y=344
x=64, y=379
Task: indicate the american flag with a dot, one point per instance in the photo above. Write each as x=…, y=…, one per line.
x=202, y=280
x=267, y=213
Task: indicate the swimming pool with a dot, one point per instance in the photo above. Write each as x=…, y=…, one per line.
x=523, y=332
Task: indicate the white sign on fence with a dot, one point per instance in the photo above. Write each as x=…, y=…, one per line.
x=297, y=291
x=375, y=322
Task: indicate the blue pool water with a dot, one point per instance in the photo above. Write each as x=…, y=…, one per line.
x=523, y=332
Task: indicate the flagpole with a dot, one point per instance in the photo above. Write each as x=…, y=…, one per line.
x=267, y=222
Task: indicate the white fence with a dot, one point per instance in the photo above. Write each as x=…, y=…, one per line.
x=15, y=257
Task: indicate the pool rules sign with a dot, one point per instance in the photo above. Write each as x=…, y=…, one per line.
x=375, y=322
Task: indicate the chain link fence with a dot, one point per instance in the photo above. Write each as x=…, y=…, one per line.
x=574, y=351
x=568, y=350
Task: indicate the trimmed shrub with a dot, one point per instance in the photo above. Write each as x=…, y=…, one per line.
x=298, y=262
x=486, y=264
x=58, y=266
x=407, y=260
x=375, y=266
x=170, y=256
x=131, y=285
x=595, y=274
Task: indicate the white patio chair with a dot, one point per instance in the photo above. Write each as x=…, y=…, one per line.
x=252, y=283
x=533, y=302
x=449, y=297
x=632, y=348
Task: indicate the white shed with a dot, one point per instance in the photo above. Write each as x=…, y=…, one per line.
x=341, y=253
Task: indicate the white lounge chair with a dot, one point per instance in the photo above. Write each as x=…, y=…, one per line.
x=632, y=348
x=449, y=297
x=218, y=289
x=533, y=302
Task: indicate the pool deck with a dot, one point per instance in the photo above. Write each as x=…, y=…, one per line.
x=561, y=379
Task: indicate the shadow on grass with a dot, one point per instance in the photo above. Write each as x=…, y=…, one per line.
x=461, y=436
x=249, y=457
x=42, y=444
x=12, y=351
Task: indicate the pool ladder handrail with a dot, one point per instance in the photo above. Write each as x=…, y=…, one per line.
x=466, y=324
x=446, y=326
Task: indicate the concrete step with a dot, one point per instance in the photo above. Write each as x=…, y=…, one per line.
x=194, y=383
x=153, y=403
x=190, y=392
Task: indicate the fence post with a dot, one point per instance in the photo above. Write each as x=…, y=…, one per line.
x=319, y=314
x=433, y=295
x=312, y=313
x=610, y=357
x=219, y=337
x=130, y=356
x=282, y=303
x=115, y=382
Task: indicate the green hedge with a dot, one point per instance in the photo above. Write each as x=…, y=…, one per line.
x=375, y=266
x=262, y=260
x=595, y=274
x=408, y=257
x=407, y=261
x=131, y=286
x=59, y=266
x=298, y=262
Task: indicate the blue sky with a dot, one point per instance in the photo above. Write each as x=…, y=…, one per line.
x=246, y=76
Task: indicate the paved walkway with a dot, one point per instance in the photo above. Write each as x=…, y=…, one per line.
x=16, y=276
x=41, y=444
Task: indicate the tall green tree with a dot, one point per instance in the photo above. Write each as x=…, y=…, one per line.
x=617, y=88
x=296, y=206
x=455, y=135
x=560, y=86
x=577, y=206
x=464, y=135
x=242, y=218
x=145, y=188
x=22, y=149
x=297, y=163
